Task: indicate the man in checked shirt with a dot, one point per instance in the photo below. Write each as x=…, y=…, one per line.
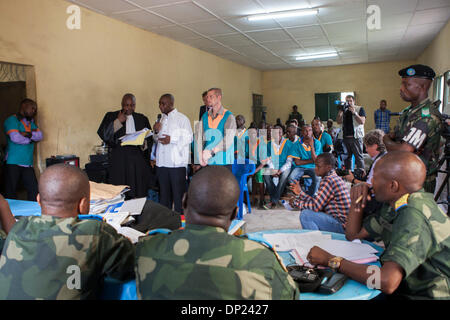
x=328, y=210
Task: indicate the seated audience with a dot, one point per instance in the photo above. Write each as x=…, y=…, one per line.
x=331, y=130
x=304, y=153
x=203, y=261
x=320, y=134
x=291, y=133
x=241, y=140
x=42, y=254
x=278, y=150
x=327, y=211
x=414, y=230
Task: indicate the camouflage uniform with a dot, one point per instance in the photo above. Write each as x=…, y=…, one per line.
x=203, y=262
x=417, y=237
x=38, y=251
x=421, y=128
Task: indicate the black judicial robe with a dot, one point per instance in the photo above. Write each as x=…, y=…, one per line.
x=129, y=165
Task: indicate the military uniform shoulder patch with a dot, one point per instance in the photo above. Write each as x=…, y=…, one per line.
x=426, y=112
x=402, y=202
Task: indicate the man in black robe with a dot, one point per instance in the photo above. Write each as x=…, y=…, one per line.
x=129, y=165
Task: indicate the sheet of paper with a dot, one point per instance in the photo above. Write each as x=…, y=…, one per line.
x=289, y=241
x=115, y=218
x=134, y=207
x=131, y=234
x=299, y=245
x=135, y=139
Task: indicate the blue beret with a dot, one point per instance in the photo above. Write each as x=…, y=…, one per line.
x=417, y=71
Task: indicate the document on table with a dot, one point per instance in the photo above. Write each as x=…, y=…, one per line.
x=115, y=219
x=134, y=207
x=289, y=241
x=299, y=246
x=131, y=234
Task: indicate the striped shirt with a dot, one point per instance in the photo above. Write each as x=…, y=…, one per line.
x=332, y=197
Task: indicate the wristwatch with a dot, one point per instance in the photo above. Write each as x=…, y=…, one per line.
x=335, y=262
x=212, y=153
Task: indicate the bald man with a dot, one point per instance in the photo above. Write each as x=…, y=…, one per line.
x=129, y=165
x=419, y=126
x=57, y=256
x=203, y=261
x=415, y=232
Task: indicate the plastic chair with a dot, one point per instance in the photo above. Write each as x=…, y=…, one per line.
x=340, y=162
x=241, y=172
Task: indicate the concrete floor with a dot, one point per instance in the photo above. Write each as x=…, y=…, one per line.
x=275, y=219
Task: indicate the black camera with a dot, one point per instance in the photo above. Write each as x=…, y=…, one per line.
x=342, y=172
x=359, y=174
x=342, y=105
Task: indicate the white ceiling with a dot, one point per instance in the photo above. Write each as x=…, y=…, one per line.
x=221, y=28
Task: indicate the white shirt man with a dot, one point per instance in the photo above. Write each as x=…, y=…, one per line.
x=173, y=135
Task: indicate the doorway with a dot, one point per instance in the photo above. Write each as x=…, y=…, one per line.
x=13, y=89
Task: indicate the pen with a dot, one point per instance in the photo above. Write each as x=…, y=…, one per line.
x=359, y=199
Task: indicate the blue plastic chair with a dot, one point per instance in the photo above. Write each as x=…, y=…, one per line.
x=340, y=162
x=241, y=171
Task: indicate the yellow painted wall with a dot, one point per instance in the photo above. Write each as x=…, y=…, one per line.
x=437, y=54
x=370, y=82
x=82, y=74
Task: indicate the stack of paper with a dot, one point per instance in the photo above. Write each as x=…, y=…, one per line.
x=108, y=202
x=135, y=139
x=103, y=191
x=300, y=244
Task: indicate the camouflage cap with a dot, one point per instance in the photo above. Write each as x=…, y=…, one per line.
x=417, y=71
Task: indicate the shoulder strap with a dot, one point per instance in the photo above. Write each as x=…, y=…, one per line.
x=158, y=231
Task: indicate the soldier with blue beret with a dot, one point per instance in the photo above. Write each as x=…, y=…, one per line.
x=419, y=125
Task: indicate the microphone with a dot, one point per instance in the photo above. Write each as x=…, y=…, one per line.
x=159, y=118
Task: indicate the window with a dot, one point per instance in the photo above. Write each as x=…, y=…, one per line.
x=326, y=107
x=438, y=91
x=446, y=96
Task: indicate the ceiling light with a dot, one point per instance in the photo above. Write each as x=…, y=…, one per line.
x=283, y=14
x=317, y=56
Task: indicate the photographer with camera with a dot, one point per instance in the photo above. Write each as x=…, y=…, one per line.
x=352, y=118
x=375, y=147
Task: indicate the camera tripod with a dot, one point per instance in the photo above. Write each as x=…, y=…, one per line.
x=445, y=182
x=445, y=158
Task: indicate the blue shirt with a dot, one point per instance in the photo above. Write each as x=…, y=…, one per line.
x=325, y=139
x=300, y=151
x=20, y=153
x=382, y=119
